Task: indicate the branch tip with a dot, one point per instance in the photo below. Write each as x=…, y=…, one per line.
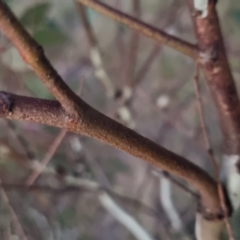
x=6, y=103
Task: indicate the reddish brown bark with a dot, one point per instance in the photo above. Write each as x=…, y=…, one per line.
x=94, y=124
x=216, y=68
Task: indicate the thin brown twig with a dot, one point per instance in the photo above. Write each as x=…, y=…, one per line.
x=184, y=47
x=16, y=221
x=51, y=151
x=33, y=54
x=121, y=48
x=143, y=183
x=180, y=185
x=171, y=13
x=203, y=123
x=133, y=44
x=97, y=61
x=211, y=154
x=13, y=154
x=21, y=140
x=95, y=55
x=143, y=70
x=87, y=25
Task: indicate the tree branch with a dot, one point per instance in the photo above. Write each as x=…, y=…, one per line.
x=186, y=48
x=32, y=109
x=33, y=54
x=90, y=122
x=94, y=124
x=215, y=164
x=216, y=68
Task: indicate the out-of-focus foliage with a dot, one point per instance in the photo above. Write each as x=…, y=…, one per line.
x=49, y=36
x=68, y=218
x=37, y=88
x=116, y=166
x=235, y=15
x=45, y=31
x=36, y=15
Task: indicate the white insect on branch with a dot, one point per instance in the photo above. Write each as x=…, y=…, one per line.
x=202, y=6
x=207, y=229
x=231, y=175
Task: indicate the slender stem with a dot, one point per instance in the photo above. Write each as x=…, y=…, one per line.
x=36, y=173
x=16, y=221
x=51, y=151
x=186, y=48
x=30, y=155
x=95, y=55
x=132, y=55
x=33, y=54
x=180, y=185
x=211, y=153
x=142, y=72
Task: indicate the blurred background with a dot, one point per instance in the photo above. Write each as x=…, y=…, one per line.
x=130, y=78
